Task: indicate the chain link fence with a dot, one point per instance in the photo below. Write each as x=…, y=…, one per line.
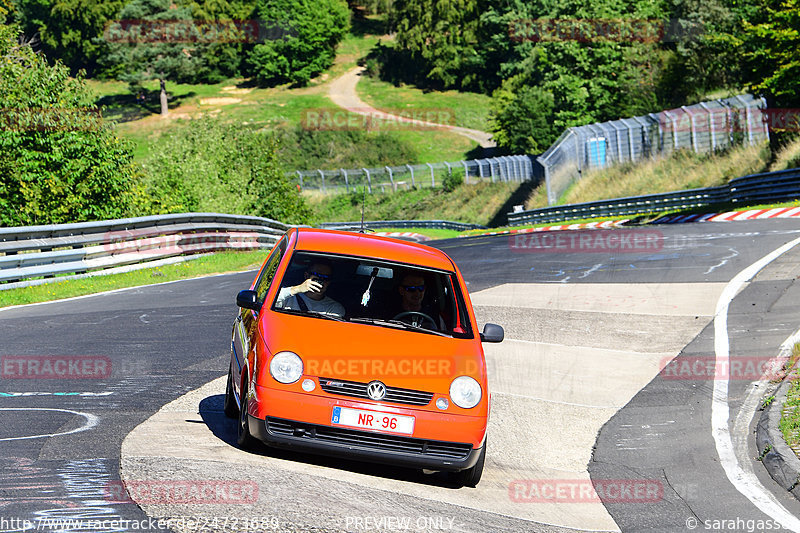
x=517, y=168
x=702, y=128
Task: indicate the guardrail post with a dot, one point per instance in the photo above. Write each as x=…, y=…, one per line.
x=301, y=178
x=391, y=179
x=433, y=179
x=491, y=168
x=749, y=124
x=694, y=131
x=369, y=181
x=449, y=170
x=346, y=184
x=710, y=126
x=411, y=169
x=466, y=172
x=322, y=175
x=480, y=168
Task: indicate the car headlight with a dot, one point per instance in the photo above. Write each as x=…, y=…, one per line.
x=465, y=392
x=286, y=367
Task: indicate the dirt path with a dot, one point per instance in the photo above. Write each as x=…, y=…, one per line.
x=343, y=93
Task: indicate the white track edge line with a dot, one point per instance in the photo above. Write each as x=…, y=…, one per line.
x=748, y=485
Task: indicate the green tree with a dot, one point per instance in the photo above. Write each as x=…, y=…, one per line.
x=522, y=119
x=69, y=30
x=439, y=36
x=224, y=57
x=6, y=10
x=208, y=165
x=59, y=161
x=156, y=40
x=312, y=29
x=772, y=53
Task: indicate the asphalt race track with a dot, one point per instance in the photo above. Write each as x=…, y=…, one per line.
x=127, y=387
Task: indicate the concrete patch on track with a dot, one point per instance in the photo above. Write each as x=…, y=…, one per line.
x=549, y=400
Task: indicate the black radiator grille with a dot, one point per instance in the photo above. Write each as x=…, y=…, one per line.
x=359, y=390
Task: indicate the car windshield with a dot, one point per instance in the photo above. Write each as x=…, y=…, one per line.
x=368, y=291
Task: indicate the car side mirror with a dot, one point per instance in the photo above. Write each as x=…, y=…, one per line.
x=248, y=300
x=492, y=333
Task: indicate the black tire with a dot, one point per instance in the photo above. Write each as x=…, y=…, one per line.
x=471, y=476
x=243, y=437
x=230, y=407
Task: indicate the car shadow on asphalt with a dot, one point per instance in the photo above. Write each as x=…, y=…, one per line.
x=224, y=428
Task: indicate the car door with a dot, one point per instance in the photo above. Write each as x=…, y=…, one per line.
x=244, y=327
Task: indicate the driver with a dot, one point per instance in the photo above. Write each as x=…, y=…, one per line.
x=310, y=295
x=412, y=294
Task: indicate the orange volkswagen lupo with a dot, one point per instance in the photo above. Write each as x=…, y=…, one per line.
x=361, y=346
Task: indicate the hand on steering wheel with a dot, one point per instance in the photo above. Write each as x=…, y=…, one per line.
x=418, y=318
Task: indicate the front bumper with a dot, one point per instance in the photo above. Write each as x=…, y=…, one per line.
x=364, y=445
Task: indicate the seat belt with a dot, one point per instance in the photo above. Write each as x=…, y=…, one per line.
x=301, y=304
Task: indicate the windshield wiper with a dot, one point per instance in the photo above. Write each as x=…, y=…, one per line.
x=397, y=324
x=310, y=313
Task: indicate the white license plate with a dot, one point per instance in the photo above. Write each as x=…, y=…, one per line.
x=360, y=418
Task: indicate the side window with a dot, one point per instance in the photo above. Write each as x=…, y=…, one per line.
x=267, y=275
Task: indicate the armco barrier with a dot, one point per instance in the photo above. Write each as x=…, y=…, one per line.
x=46, y=251
x=400, y=224
x=767, y=187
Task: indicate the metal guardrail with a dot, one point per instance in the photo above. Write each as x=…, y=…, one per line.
x=767, y=187
x=91, y=247
x=431, y=224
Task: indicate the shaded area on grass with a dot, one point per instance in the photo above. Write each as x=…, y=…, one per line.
x=129, y=107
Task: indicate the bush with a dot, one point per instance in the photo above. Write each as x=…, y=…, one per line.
x=303, y=149
x=522, y=119
x=313, y=27
x=207, y=165
x=452, y=181
x=59, y=161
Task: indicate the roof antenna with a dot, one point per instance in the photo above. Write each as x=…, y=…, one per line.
x=363, y=204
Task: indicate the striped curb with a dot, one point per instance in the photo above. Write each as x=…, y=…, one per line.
x=405, y=235
x=608, y=224
x=732, y=216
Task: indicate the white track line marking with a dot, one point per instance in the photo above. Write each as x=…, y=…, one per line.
x=91, y=421
x=745, y=482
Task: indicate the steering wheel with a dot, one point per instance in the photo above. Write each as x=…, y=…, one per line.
x=416, y=314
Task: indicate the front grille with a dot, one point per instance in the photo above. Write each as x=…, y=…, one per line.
x=359, y=390
x=453, y=451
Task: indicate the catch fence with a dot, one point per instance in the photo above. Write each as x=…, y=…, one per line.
x=515, y=168
x=701, y=128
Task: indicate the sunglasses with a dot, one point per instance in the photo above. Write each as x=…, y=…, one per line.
x=321, y=277
x=414, y=288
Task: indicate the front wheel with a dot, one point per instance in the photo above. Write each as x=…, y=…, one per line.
x=471, y=476
x=230, y=407
x=243, y=437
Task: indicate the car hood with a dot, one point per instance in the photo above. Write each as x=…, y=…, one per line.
x=363, y=352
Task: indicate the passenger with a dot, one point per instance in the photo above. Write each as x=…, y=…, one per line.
x=310, y=295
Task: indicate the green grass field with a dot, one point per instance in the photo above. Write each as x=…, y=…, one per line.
x=237, y=101
x=469, y=110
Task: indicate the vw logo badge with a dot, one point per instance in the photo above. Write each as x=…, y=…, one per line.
x=376, y=390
